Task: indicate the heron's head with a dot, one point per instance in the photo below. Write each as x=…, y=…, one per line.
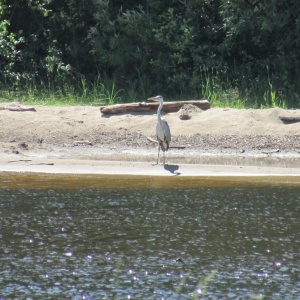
x=156, y=99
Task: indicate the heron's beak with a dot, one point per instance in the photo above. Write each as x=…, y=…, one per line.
x=152, y=99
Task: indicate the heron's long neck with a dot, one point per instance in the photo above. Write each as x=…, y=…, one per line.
x=159, y=110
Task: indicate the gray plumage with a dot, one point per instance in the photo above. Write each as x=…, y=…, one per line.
x=163, y=133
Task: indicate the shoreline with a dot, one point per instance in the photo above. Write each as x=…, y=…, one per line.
x=75, y=166
x=85, y=160
x=215, y=143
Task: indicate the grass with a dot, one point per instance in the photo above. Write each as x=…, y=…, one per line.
x=106, y=93
x=97, y=93
x=231, y=98
x=213, y=90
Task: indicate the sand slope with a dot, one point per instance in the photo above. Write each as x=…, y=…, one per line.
x=82, y=132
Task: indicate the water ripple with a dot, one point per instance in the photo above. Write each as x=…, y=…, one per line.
x=173, y=243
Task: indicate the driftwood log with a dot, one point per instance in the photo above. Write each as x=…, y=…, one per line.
x=151, y=107
x=289, y=119
x=17, y=108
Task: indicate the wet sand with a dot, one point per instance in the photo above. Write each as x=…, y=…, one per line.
x=80, y=167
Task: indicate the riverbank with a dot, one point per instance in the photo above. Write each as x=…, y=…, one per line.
x=214, y=142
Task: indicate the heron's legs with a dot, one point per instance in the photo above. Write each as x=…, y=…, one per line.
x=158, y=153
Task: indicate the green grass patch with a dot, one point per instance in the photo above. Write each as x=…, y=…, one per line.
x=106, y=93
x=97, y=93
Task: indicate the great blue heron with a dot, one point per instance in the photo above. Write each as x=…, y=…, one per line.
x=163, y=133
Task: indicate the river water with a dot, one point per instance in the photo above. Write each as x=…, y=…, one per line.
x=131, y=241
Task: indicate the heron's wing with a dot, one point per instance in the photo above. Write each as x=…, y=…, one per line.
x=163, y=131
x=167, y=131
x=163, y=134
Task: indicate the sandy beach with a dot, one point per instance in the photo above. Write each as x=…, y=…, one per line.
x=214, y=142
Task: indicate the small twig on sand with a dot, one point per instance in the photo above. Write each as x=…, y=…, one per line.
x=45, y=164
x=177, y=147
x=152, y=140
x=82, y=143
x=25, y=160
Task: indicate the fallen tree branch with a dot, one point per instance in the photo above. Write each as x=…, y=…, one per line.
x=151, y=107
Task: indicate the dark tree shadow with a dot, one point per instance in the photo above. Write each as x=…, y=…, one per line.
x=172, y=169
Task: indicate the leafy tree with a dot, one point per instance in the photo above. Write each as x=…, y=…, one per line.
x=262, y=41
x=146, y=47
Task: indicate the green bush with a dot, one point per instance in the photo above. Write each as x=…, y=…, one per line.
x=246, y=50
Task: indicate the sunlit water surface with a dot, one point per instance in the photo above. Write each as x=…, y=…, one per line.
x=150, y=243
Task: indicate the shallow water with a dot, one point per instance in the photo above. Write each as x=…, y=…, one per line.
x=206, y=242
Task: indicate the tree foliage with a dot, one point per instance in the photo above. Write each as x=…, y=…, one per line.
x=169, y=47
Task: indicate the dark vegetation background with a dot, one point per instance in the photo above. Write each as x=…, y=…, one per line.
x=248, y=50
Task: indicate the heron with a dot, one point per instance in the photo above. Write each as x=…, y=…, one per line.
x=163, y=133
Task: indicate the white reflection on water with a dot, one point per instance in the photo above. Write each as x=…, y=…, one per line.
x=150, y=243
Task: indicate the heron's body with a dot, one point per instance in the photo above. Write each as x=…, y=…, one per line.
x=163, y=133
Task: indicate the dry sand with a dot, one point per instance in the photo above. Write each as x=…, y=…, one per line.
x=219, y=142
